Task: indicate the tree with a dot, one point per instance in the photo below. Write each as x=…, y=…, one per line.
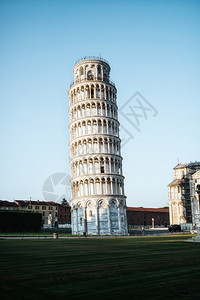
x=64, y=202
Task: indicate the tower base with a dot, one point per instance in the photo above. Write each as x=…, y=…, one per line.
x=99, y=216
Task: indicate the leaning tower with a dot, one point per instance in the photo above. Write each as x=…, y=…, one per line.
x=98, y=203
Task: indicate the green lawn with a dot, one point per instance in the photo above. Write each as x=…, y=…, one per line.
x=110, y=268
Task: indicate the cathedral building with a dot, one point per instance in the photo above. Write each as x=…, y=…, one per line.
x=182, y=192
x=98, y=203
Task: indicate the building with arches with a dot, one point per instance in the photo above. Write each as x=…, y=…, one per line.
x=98, y=203
x=180, y=195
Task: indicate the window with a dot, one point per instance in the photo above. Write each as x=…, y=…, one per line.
x=102, y=169
x=56, y=208
x=92, y=93
x=43, y=214
x=60, y=216
x=36, y=207
x=81, y=221
x=43, y=207
x=50, y=207
x=30, y=207
x=90, y=75
x=56, y=214
x=99, y=72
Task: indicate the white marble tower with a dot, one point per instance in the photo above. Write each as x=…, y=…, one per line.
x=98, y=203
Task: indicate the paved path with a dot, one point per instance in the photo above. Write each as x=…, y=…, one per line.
x=147, y=234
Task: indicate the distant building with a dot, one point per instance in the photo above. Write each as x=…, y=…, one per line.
x=180, y=194
x=6, y=205
x=52, y=212
x=64, y=214
x=49, y=210
x=140, y=216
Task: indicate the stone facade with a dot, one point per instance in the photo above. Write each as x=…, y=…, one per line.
x=180, y=194
x=98, y=203
x=195, y=193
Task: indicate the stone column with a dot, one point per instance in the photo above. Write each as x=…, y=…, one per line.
x=72, y=218
x=101, y=73
x=85, y=218
x=97, y=220
x=111, y=186
x=121, y=172
x=102, y=191
x=106, y=187
x=88, y=188
x=119, y=218
x=77, y=220
x=123, y=188
x=109, y=222
x=90, y=107
x=125, y=220
x=106, y=111
x=81, y=189
x=94, y=188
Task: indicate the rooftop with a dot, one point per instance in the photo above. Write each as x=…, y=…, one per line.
x=92, y=57
x=29, y=202
x=176, y=182
x=4, y=203
x=187, y=165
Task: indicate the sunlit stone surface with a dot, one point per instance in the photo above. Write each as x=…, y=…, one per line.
x=98, y=201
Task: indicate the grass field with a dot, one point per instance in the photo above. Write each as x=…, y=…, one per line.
x=110, y=268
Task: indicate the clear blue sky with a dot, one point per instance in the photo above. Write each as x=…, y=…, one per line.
x=152, y=46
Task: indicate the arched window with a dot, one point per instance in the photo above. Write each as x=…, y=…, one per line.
x=90, y=75
x=92, y=93
x=99, y=72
